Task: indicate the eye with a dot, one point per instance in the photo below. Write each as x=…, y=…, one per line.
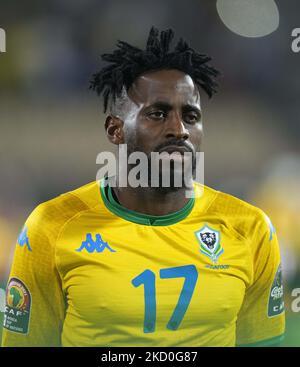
x=157, y=115
x=192, y=117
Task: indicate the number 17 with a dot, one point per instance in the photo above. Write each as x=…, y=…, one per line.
x=147, y=277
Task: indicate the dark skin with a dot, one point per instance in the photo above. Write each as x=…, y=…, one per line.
x=162, y=106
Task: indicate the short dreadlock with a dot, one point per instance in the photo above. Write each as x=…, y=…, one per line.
x=128, y=62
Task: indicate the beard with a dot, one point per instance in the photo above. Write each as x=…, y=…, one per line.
x=165, y=174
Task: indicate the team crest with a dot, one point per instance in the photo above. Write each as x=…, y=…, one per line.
x=209, y=240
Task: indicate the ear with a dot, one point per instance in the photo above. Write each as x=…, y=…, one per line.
x=114, y=129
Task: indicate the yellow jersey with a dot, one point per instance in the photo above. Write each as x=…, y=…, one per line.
x=89, y=272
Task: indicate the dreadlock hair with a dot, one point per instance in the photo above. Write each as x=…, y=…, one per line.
x=128, y=62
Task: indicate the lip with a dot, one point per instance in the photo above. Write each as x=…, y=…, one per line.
x=174, y=149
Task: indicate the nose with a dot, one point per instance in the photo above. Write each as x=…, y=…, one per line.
x=175, y=128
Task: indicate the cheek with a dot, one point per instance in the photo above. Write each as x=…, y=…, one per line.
x=148, y=135
x=196, y=136
x=138, y=136
x=131, y=124
x=129, y=135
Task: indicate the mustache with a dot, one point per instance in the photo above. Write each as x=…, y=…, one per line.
x=176, y=142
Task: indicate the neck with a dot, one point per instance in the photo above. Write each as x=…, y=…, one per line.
x=145, y=200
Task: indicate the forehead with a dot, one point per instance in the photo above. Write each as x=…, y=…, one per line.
x=171, y=86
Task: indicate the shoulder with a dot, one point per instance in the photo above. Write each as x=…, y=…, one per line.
x=48, y=217
x=247, y=219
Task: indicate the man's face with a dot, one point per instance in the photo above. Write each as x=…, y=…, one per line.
x=163, y=113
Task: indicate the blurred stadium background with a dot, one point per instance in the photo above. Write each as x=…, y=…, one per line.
x=51, y=125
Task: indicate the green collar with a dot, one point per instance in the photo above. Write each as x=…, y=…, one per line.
x=140, y=218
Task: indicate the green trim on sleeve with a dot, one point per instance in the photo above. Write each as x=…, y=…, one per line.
x=265, y=342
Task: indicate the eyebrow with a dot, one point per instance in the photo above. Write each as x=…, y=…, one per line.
x=167, y=106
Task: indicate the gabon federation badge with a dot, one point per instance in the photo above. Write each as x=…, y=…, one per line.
x=209, y=240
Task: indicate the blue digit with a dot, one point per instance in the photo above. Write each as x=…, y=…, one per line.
x=189, y=272
x=147, y=278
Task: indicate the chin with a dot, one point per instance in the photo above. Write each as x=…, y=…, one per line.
x=172, y=186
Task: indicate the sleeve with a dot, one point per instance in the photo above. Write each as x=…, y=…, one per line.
x=35, y=305
x=261, y=320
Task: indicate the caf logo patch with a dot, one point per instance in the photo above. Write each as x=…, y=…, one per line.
x=18, y=305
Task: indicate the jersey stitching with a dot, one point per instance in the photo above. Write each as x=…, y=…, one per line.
x=85, y=203
x=63, y=228
x=247, y=241
x=213, y=199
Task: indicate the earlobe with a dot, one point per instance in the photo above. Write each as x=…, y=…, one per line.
x=114, y=129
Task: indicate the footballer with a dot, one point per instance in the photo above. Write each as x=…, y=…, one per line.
x=116, y=265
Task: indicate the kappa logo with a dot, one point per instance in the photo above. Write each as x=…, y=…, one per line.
x=97, y=245
x=271, y=227
x=209, y=240
x=23, y=239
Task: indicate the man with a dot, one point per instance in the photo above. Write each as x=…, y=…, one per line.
x=113, y=265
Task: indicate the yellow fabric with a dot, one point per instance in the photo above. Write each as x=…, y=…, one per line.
x=82, y=298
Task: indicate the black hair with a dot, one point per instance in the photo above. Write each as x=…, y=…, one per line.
x=127, y=62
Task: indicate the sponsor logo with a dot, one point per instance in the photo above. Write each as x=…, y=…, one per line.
x=276, y=302
x=209, y=240
x=97, y=245
x=23, y=239
x=277, y=293
x=18, y=305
